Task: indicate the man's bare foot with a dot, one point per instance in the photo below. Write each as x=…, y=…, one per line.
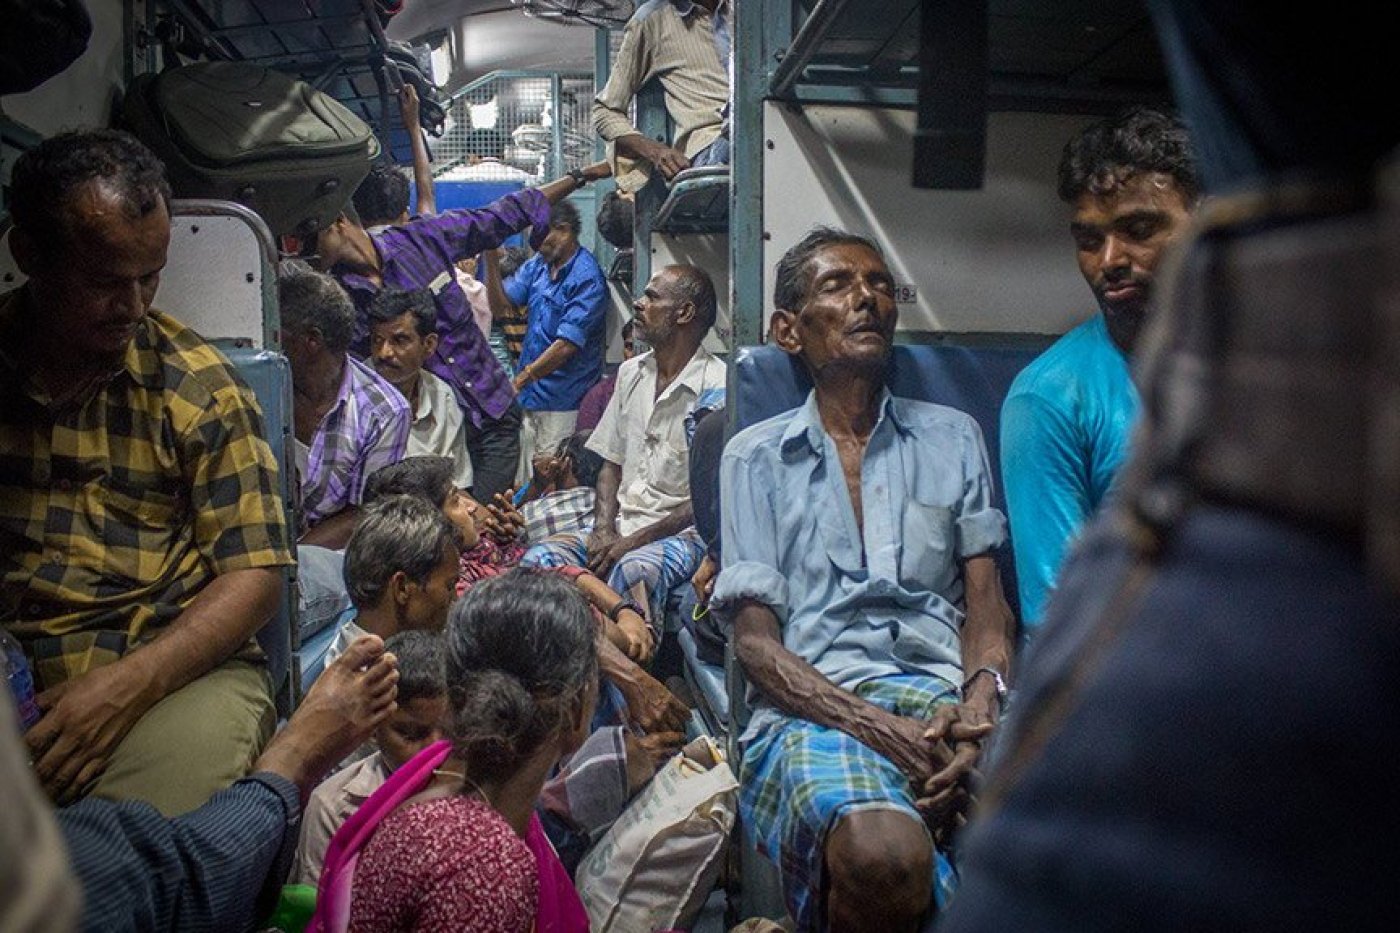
x=354, y=695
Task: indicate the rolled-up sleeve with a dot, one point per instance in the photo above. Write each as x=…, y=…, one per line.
x=981, y=527
x=748, y=527
x=583, y=315
x=629, y=72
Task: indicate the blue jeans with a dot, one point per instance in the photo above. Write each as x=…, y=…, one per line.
x=716, y=153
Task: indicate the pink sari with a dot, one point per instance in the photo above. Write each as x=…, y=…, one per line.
x=560, y=910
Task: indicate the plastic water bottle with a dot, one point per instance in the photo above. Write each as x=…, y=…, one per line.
x=20, y=680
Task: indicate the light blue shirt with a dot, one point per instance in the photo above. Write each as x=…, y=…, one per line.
x=857, y=606
x=1065, y=427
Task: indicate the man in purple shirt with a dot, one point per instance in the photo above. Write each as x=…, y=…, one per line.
x=349, y=420
x=421, y=254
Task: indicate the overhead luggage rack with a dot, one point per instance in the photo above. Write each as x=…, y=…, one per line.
x=1078, y=57
x=332, y=45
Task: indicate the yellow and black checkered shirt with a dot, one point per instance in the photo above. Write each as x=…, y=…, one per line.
x=117, y=508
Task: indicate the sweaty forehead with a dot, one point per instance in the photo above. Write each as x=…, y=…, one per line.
x=1130, y=192
x=97, y=214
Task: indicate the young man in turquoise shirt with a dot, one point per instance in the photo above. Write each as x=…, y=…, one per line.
x=1130, y=181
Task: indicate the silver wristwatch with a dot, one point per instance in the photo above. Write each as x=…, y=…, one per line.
x=997, y=679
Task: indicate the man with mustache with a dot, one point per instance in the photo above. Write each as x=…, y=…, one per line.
x=562, y=356
x=1130, y=181
x=142, y=537
x=402, y=337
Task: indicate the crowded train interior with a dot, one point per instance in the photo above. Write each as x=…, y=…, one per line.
x=698, y=465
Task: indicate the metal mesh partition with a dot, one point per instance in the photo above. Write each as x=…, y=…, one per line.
x=516, y=126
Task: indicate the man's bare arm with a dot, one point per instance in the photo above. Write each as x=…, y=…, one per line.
x=559, y=189
x=422, y=172
x=987, y=636
x=988, y=630
x=797, y=688
x=555, y=355
x=605, y=505
x=86, y=718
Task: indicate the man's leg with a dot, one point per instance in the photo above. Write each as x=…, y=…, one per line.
x=716, y=153
x=802, y=783
x=195, y=742
x=320, y=588
x=495, y=453
x=878, y=864
x=561, y=550
x=659, y=567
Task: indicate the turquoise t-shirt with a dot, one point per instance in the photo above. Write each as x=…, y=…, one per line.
x=1065, y=427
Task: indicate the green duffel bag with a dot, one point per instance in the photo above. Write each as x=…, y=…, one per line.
x=242, y=132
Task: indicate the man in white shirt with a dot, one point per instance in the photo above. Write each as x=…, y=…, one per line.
x=402, y=337
x=644, y=540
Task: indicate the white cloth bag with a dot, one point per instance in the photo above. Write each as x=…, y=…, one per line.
x=654, y=867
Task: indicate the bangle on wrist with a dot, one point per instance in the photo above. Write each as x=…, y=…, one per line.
x=579, y=178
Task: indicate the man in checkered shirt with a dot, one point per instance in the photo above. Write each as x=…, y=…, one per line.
x=141, y=529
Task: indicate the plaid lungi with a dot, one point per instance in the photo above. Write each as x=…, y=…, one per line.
x=662, y=565
x=798, y=779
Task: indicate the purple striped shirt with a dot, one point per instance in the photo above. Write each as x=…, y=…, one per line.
x=420, y=254
x=366, y=428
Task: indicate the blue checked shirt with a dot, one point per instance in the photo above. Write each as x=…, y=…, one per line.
x=857, y=608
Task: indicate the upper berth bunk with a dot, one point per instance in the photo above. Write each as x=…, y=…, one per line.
x=1077, y=55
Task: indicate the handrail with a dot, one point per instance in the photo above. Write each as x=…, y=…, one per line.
x=804, y=45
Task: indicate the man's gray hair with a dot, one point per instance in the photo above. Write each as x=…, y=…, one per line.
x=312, y=300
x=396, y=533
x=693, y=284
x=791, y=279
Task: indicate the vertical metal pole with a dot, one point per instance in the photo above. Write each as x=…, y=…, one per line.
x=760, y=31
x=556, y=135
x=653, y=121
x=602, y=66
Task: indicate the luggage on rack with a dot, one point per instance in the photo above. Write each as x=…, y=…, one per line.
x=241, y=132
